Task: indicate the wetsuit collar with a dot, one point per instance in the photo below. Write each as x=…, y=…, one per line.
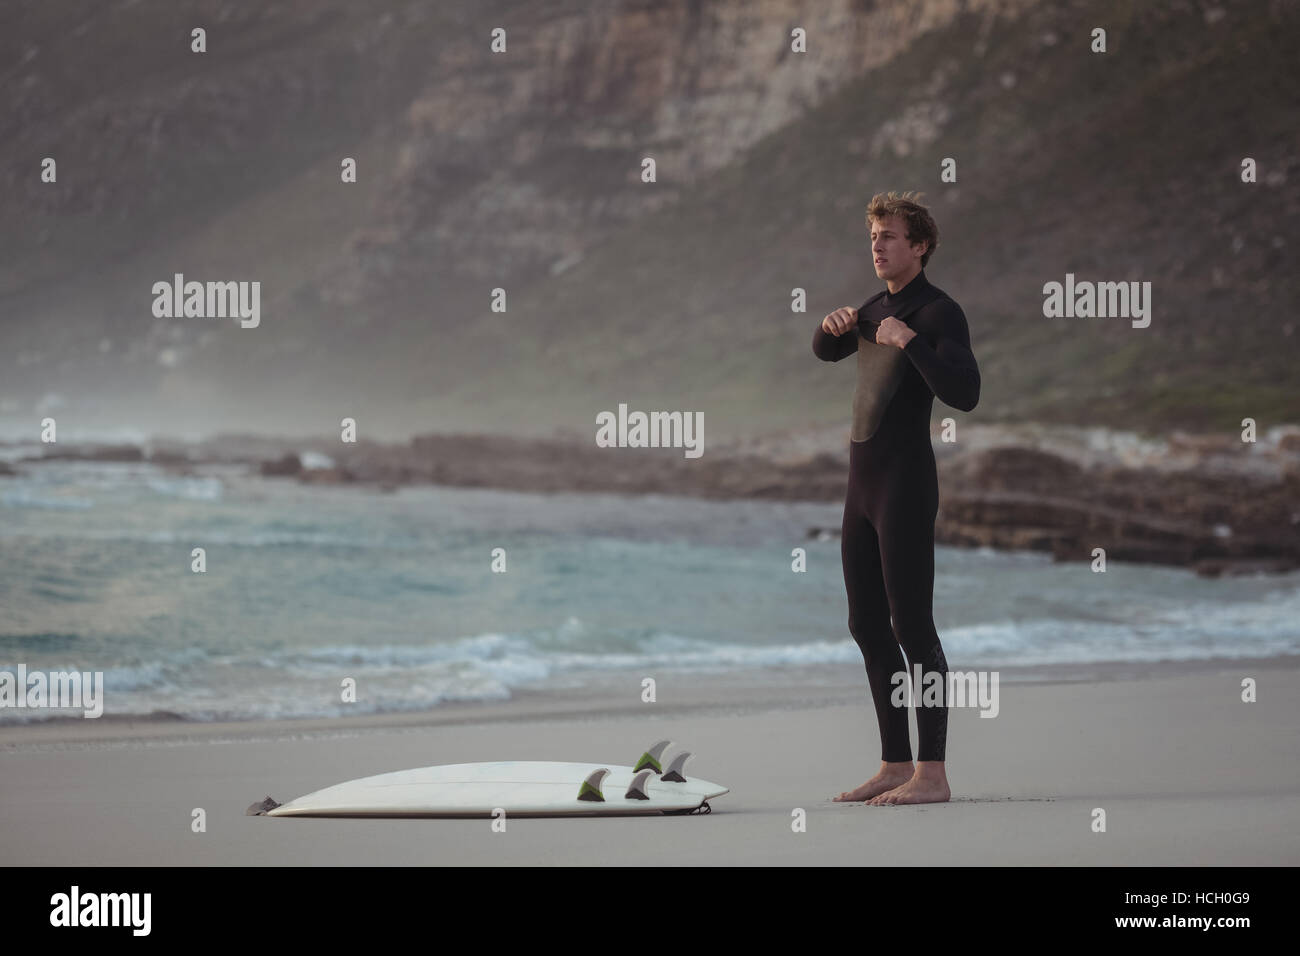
x=919, y=282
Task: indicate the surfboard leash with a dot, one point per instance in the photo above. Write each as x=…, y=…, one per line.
x=703, y=808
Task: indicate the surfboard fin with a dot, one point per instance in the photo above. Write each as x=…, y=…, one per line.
x=590, y=789
x=675, y=774
x=652, y=757
x=636, y=790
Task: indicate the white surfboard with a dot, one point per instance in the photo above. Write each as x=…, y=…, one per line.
x=519, y=787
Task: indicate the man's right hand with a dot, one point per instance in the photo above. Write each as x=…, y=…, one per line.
x=840, y=321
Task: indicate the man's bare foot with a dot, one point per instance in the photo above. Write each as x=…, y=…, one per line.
x=887, y=778
x=928, y=785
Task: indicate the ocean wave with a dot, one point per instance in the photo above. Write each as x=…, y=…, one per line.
x=189, y=487
x=211, y=536
x=41, y=641
x=200, y=684
x=26, y=498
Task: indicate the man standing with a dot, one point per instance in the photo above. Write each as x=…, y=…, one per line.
x=912, y=344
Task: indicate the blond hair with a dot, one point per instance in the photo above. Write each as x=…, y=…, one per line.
x=916, y=218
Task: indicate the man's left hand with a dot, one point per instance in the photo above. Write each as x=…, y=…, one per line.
x=892, y=331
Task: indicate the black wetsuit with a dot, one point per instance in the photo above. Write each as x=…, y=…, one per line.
x=887, y=541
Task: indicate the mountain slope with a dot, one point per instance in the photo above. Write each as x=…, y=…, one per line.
x=522, y=174
x=1115, y=167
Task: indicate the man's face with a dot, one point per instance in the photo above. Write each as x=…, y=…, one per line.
x=890, y=251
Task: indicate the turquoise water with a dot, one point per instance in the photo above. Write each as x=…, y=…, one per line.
x=306, y=586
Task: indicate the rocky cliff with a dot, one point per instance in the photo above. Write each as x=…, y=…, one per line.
x=520, y=170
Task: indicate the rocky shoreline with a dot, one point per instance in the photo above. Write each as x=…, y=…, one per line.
x=1208, y=502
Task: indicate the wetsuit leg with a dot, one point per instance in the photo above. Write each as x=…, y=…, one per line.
x=864, y=582
x=887, y=546
x=904, y=521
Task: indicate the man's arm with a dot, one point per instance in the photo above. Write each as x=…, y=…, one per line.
x=832, y=348
x=948, y=366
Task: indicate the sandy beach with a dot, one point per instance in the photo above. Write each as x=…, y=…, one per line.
x=1188, y=774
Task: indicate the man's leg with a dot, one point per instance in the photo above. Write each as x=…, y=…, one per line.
x=906, y=534
x=870, y=627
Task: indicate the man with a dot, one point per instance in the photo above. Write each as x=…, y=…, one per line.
x=913, y=345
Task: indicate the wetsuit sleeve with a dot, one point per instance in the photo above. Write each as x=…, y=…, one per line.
x=941, y=352
x=832, y=348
